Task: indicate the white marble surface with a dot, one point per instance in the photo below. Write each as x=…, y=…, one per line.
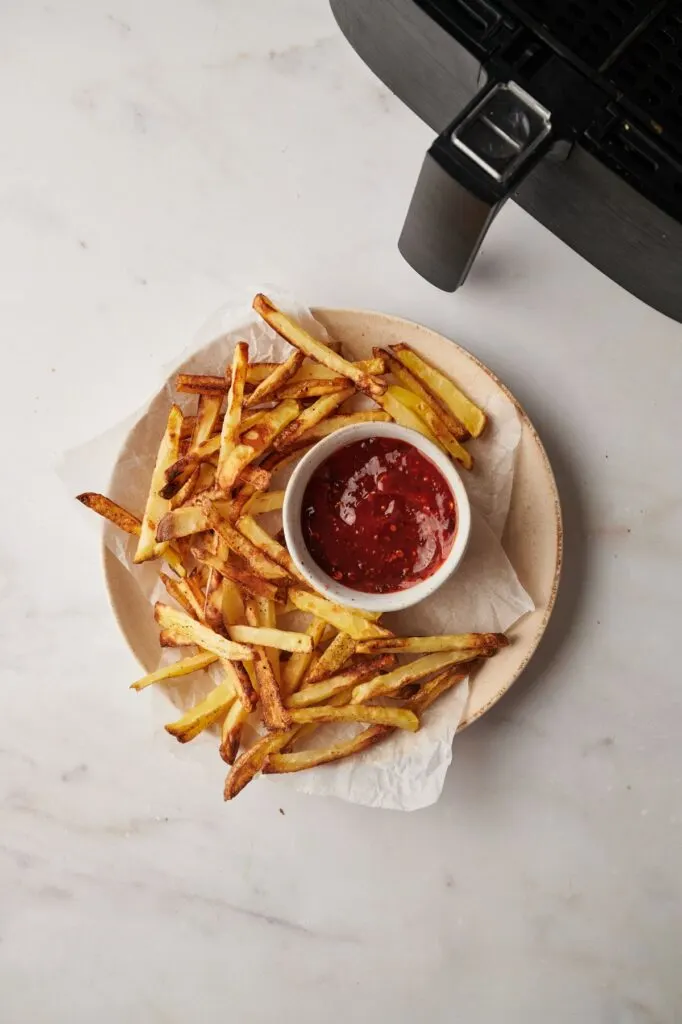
x=152, y=156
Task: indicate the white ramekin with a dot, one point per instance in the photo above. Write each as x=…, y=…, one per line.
x=323, y=583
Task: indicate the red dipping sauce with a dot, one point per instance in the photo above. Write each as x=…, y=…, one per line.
x=378, y=516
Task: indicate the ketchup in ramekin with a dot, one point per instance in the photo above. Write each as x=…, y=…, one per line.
x=378, y=516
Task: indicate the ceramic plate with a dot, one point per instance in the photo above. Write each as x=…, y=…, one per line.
x=532, y=537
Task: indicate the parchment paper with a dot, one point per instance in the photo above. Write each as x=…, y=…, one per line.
x=406, y=771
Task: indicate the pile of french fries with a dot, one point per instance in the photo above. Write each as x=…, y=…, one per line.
x=231, y=582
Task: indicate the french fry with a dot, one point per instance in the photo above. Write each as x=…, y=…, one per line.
x=267, y=617
x=316, y=371
x=303, y=389
x=108, y=509
x=203, y=715
x=182, y=592
x=251, y=761
x=302, y=759
x=317, y=693
x=301, y=339
x=262, y=540
x=346, y=620
x=213, y=603
x=394, y=403
x=156, y=506
x=275, y=715
x=181, y=522
x=408, y=380
x=207, y=418
x=282, y=639
x=186, y=630
x=398, y=718
x=177, y=669
x=177, y=475
x=447, y=393
x=295, y=668
x=334, y=423
x=332, y=659
x=275, y=380
x=252, y=584
x=256, y=441
x=430, y=644
x=310, y=417
x=241, y=545
x=233, y=413
x=231, y=731
x=436, y=425
x=410, y=673
x=430, y=691
x=258, y=504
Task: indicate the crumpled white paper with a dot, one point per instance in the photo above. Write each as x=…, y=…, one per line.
x=406, y=771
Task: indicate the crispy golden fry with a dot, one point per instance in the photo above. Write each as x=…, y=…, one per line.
x=203, y=715
x=310, y=417
x=213, y=604
x=257, y=477
x=346, y=620
x=430, y=691
x=201, y=384
x=156, y=506
x=107, y=508
x=275, y=380
x=392, y=403
x=184, y=667
x=256, y=441
x=233, y=606
x=332, y=659
x=181, y=470
x=282, y=639
x=182, y=592
x=316, y=371
x=408, y=380
x=436, y=425
x=334, y=423
x=241, y=680
x=279, y=763
x=295, y=668
x=316, y=693
x=262, y=540
x=182, y=522
x=250, y=762
x=231, y=731
x=411, y=673
x=233, y=413
x=399, y=718
x=429, y=644
x=252, y=584
x=275, y=715
x=301, y=339
x=182, y=496
x=267, y=618
x=207, y=418
x=242, y=546
x=314, y=388
x=257, y=504
x=127, y=522
x=186, y=630
x=447, y=393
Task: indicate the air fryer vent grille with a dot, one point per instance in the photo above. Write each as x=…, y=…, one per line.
x=590, y=29
x=649, y=73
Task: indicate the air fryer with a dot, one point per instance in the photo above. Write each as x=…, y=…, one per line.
x=571, y=109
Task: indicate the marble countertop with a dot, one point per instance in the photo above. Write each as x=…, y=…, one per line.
x=154, y=159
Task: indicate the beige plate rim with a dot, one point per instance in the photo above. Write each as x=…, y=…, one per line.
x=326, y=314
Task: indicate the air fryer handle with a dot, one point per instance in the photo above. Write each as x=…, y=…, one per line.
x=444, y=227
x=467, y=174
